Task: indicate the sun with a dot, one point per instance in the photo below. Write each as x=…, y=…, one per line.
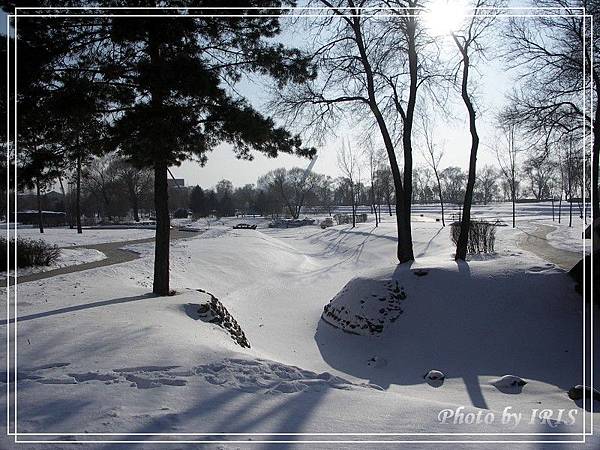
x=445, y=16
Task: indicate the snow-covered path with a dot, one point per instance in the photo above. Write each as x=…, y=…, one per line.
x=536, y=241
x=96, y=354
x=113, y=252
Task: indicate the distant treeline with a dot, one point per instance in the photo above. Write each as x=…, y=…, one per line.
x=113, y=190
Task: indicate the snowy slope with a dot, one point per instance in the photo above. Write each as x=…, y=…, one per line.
x=67, y=257
x=65, y=237
x=96, y=354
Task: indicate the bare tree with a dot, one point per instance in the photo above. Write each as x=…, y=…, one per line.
x=349, y=165
x=100, y=179
x=453, y=181
x=374, y=68
x=507, y=156
x=433, y=157
x=291, y=186
x=136, y=181
x=386, y=185
x=569, y=165
x=422, y=191
x=539, y=169
x=555, y=54
x=469, y=43
x=374, y=158
x=486, y=184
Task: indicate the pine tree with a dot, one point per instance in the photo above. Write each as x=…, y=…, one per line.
x=198, y=202
x=42, y=47
x=175, y=106
x=81, y=128
x=226, y=208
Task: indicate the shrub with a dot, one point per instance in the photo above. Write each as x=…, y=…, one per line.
x=30, y=252
x=482, y=236
x=181, y=213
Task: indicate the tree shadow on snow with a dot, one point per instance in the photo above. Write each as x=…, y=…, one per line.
x=238, y=412
x=81, y=307
x=469, y=326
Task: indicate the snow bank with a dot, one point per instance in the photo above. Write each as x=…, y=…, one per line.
x=98, y=354
x=366, y=305
x=68, y=257
x=65, y=237
x=469, y=320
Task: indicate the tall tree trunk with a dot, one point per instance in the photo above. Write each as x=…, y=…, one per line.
x=552, y=207
x=407, y=127
x=133, y=199
x=439, y=184
x=373, y=205
x=163, y=229
x=136, y=213
x=67, y=208
x=78, y=196
x=560, y=206
x=353, y=206
x=463, y=238
x=403, y=193
x=376, y=218
x=161, y=193
x=39, y=204
x=570, y=183
x=514, y=224
x=596, y=152
x=570, y=201
x=582, y=203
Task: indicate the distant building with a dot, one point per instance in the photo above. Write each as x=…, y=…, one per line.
x=174, y=183
x=51, y=201
x=49, y=218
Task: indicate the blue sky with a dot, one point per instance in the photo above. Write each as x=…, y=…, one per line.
x=494, y=82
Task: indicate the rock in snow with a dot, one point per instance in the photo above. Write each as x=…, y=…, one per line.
x=377, y=362
x=434, y=375
x=434, y=378
x=509, y=383
x=577, y=392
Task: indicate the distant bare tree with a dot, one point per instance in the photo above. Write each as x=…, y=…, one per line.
x=349, y=165
x=539, y=169
x=291, y=186
x=569, y=165
x=469, y=43
x=100, y=179
x=554, y=52
x=452, y=180
x=372, y=68
x=373, y=158
x=433, y=157
x=386, y=185
x=487, y=179
x=507, y=156
x=422, y=191
x=136, y=182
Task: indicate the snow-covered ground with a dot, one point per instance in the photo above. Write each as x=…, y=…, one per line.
x=528, y=215
x=97, y=354
x=65, y=237
x=68, y=257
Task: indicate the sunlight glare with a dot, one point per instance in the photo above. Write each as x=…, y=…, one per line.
x=445, y=16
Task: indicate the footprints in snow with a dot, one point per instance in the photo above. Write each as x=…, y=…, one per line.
x=272, y=377
x=246, y=375
x=143, y=377
x=540, y=269
x=365, y=306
